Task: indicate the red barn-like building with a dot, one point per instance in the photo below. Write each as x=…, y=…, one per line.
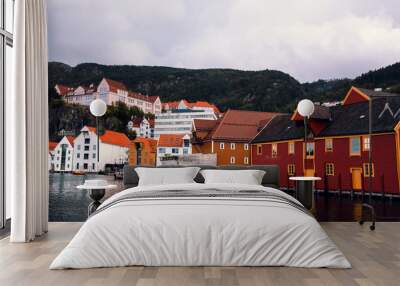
x=338, y=143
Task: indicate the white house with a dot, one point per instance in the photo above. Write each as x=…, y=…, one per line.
x=179, y=121
x=63, y=155
x=111, y=92
x=184, y=104
x=143, y=127
x=170, y=146
x=114, y=147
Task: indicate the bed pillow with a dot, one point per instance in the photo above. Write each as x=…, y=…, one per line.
x=166, y=176
x=248, y=177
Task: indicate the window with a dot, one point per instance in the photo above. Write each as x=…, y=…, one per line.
x=291, y=147
x=93, y=166
x=221, y=146
x=87, y=140
x=86, y=148
x=355, y=146
x=274, y=150
x=94, y=155
x=77, y=165
x=366, y=143
x=78, y=147
x=328, y=145
x=94, y=147
x=67, y=165
x=246, y=160
x=186, y=142
x=232, y=160
x=86, y=156
x=175, y=151
x=291, y=169
x=78, y=155
x=161, y=150
x=259, y=149
x=185, y=151
x=85, y=166
x=367, y=167
x=310, y=150
x=246, y=147
x=233, y=146
x=329, y=169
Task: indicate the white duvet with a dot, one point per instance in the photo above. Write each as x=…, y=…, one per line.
x=202, y=232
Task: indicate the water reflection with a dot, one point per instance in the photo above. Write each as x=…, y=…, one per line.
x=67, y=203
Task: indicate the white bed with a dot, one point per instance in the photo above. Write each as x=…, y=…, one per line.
x=202, y=231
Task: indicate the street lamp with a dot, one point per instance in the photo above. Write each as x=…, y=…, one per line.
x=305, y=108
x=98, y=108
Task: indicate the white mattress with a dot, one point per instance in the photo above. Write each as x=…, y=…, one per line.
x=200, y=232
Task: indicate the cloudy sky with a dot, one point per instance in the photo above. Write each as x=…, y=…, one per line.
x=308, y=39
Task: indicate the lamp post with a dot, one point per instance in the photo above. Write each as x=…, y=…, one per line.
x=305, y=108
x=98, y=108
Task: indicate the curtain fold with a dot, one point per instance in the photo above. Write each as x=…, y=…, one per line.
x=28, y=123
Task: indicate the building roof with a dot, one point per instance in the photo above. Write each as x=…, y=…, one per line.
x=143, y=97
x=149, y=143
x=63, y=89
x=320, y=113
x=240, y=125
x=52, y=145
x=280, y=127
x=115, y=85
x=175, y=105
x=376, y=93
x=70, y=139
x=113, y=137
x=204, y=128
x=170, y=140
x=353, y=118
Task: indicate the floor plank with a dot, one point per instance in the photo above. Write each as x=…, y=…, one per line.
x=375, y=257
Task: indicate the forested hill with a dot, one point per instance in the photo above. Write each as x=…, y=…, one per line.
x=266, y=90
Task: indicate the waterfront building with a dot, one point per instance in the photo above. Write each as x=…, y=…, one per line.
x=50, y=158
x=143, y=152
x=114, y=148
x=63, y=155
x=179, y=121
x=111, y=92
x=184, y=104
x=338, y=144
x=144, y=127
x=170, y=146
x=230, y=136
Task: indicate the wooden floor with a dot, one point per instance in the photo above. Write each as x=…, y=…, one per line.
x=375, y=257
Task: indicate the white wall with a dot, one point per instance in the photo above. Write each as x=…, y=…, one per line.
x=69, y=156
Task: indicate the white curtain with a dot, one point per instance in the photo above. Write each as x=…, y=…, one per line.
x=27, y=124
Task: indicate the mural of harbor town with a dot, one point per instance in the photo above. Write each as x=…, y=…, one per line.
x=154, y=132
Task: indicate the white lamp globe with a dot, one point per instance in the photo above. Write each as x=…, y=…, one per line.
x=305, y=108
x=98, y=107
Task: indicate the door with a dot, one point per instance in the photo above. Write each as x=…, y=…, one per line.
x=356, y=178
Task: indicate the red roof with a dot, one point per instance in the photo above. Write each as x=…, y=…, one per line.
x=204, y=104
x=71, y=139
x=175, y=104
x=63, y=89
x=113, y=137
x=241, y=125
x=170, y=140
x=204, y=129
x=52, y=145
x=115, y=85
x=143, y=97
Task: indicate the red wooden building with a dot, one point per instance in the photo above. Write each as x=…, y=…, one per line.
x=338, y=144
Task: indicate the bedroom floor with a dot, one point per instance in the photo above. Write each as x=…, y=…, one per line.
x=375, y=257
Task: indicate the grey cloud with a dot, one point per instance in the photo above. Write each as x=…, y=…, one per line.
x=308, y=39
